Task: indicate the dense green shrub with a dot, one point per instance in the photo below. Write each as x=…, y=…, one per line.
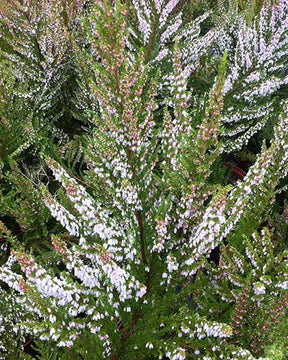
x=123, y=233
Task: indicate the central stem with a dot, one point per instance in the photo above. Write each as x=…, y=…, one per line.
x=141, y=235
x=152, y=39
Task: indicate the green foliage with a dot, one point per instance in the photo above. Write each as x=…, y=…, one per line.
x=122, y=233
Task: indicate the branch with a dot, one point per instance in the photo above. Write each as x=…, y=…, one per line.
x=152, y=39
x=141, y=234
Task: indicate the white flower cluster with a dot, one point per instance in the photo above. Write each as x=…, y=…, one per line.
x=259, y=288
x=94, y=222
x=243, y=354
x=208, y=235
x=162, y=234
x=172, y=264
x=211, y=329
x=172, y=137
x=201, y=328
x=195, y=45
x=176, y=354
x=9, y=310
x=240, y=197
x=66, y=219
x=281, y=140
x=258, y=177
x=161, y=22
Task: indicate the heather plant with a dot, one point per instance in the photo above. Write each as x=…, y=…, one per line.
x=129, y=272
x=253, y=277
x=156, y=25
x=38, y=86
x=37, y=42
x=253, y=33
x=257, y=74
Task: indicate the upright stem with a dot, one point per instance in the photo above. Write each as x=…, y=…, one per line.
x=138, y=215
x=141, y=235
x=2, y=152
x=152, y=39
